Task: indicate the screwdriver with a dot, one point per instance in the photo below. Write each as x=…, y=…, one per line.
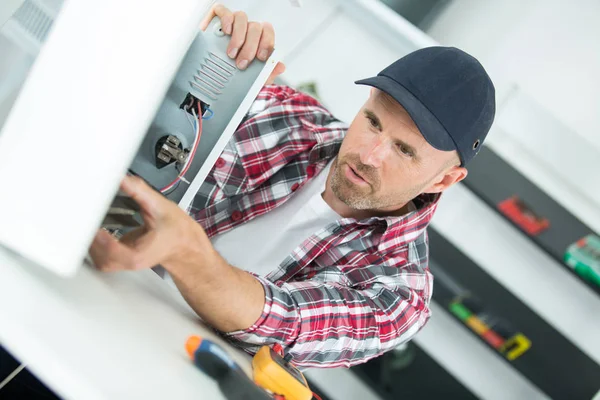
x=216, y=363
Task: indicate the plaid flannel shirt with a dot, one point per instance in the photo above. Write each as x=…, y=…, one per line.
x=352, y=290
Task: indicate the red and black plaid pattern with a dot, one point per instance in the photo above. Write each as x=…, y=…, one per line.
x=352, y=290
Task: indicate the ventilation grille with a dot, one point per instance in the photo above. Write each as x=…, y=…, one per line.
x=213, y=76
x=35, y=21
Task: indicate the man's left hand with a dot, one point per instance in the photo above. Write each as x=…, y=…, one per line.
x=249, y=39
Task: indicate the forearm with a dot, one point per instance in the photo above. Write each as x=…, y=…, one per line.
x=224, y=296
x=325, y=326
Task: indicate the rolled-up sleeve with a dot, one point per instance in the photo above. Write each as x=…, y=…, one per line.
x=322, y=324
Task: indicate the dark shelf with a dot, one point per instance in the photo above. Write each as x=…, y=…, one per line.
x=552, y=363
x=493, y=180
x=422, y=379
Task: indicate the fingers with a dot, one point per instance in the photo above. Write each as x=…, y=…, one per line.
x=238, y=35
x=248, y=51
x=224, y=14
x=150, y=202
x=248, y=40
x=110, y=255
x=226, y=17
x=137, y=249
x=267, y=42
x=144, y=243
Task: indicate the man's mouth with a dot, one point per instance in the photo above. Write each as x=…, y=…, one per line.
x=354, y=176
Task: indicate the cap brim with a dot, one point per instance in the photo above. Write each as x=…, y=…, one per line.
x=432, y=130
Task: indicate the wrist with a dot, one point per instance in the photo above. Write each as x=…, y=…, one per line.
x=193, y=253
x=194, y=270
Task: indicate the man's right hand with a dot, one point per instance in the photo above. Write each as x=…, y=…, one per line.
x=249, y=39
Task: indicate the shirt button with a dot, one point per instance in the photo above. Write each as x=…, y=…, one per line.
x=295, y=187
x=310, y=171
x=220, y=163
x=236, y=215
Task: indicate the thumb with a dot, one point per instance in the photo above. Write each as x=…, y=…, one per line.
x=225, y=15
x=211, y=14
x=150, y=201
x=278, y=70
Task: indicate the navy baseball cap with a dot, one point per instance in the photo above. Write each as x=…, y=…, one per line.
x=448, y=94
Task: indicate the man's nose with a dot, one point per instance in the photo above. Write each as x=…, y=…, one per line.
x=374, y=152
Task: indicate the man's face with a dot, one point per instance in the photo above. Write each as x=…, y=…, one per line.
x=384, y=161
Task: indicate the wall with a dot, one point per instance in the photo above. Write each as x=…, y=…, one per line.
x=548, y=49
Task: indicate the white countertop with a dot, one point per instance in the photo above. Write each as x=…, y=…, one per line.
x=103, y=336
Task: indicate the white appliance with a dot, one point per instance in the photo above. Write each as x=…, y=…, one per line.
x=111, y=80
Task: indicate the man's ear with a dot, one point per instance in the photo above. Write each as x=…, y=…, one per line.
x=451, y=177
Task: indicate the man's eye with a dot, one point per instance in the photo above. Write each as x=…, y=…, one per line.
x=405, y=150
x=373, y=122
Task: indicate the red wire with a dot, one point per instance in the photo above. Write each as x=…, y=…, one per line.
x=316, y=396
x=191, y=157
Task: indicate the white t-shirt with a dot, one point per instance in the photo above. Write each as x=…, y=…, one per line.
x=259, y=246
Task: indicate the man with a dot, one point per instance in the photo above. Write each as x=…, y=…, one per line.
x=310, y=233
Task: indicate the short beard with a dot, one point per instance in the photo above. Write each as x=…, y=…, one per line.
x=366, y=198
x=355, y=197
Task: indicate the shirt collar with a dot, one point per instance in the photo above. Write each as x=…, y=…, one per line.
x=329, y=141
x=400, y=230
x=408, y=227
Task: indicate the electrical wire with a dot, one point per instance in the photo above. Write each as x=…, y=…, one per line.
x=180, y=176
x=191, y=121
x=212, y=113
x=198, y=132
